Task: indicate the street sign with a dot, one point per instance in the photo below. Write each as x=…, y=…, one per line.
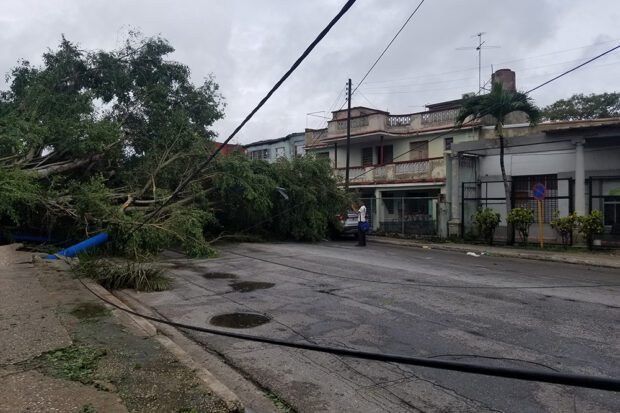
x=538, y=191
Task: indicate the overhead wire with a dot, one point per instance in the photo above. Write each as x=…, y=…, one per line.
x=264, y=100
x=528, y=92
x=602, y=383
x=488, y=66
x=388, y=45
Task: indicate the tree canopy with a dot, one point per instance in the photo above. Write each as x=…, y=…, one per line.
x=498, y=104
x=584, y=107
x=98, y=140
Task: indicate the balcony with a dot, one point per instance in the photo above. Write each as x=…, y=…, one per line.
x=424, y=170
x=378, y=122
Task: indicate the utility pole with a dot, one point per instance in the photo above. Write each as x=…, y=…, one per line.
x=346, y=176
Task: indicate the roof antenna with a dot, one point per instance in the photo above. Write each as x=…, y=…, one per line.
x=479, y=49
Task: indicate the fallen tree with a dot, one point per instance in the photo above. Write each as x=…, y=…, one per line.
x=98, y=141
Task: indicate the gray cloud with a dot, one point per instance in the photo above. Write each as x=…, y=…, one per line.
x=248, y=45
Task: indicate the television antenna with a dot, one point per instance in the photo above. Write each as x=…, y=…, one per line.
x=479, y=49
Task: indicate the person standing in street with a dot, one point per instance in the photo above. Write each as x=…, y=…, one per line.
x=362, y=224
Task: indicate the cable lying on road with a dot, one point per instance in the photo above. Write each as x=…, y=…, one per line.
x=577, y=380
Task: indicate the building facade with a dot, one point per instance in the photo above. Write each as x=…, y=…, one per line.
x=420, y=175
x=397, y=163
x=270, y=150
x=578, y=162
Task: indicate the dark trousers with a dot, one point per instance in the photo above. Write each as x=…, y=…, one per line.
x=361, y=236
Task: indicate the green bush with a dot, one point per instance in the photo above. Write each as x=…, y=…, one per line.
x=19, y=192
x=564, y=226
x=522, y=219
x=487, y=221
x=142, y=276
x=590, y=225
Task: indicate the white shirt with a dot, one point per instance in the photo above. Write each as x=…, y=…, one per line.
x=361, y=214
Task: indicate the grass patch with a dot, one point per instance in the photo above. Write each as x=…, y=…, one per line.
x=76, y=362
x=141, y=276
x=87, y=311
x=279, y=403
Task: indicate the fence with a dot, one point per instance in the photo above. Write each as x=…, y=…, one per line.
x=604, y=195
x=490, y=194
x=409, y=216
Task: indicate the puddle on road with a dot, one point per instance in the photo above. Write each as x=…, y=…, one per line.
x=249, y=286
x=219, y=276
x=239, y=320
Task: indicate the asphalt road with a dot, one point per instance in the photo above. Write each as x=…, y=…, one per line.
x=418, y=302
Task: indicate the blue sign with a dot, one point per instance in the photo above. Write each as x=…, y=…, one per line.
x=538, y=191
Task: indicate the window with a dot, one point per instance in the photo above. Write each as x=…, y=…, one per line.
x=280, y=152
x=447, y=143
x=322, y=155
x=259, y=154
x=611, y=211
x=418, y=150
x=366, y=156
x=300, y=150
x=522, y=190
x=388, y=154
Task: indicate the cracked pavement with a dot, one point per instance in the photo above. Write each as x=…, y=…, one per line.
x=418, y=302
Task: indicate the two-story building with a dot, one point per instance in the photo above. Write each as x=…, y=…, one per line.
x=270, y=150
x=397, y=162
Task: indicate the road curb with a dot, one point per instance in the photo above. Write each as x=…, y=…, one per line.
x=498, y=253
x=217, y=387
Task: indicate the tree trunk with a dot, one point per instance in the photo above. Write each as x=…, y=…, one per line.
x=509, y=229
x=60, y=167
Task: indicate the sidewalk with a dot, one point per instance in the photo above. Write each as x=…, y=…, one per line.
x=598, y=259
x=61, y=350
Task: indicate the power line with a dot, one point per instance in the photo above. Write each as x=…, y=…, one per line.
x=528, y=92
x=204, y=164
x=578, y=380
x=388, y=46
x=468, y=69
x=574, y=68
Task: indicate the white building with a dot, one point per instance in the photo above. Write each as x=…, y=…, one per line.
x=271, y=149
x=577, y=161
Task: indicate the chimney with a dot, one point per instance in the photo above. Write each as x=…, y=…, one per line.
x=507, y=78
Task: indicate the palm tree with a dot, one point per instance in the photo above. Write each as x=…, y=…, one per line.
x=498, y=103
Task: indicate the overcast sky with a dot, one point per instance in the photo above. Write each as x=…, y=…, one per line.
x=249, y=44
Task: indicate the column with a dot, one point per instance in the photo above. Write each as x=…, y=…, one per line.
x=454, y=224
x=580, y=179
x=378, y=211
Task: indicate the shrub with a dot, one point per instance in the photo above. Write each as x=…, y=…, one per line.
x=590, y=225
x=522, y=219
x=564, y=226
x=141, y=276
x=487, y=221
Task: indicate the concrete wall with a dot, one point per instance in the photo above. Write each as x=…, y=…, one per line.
x=598, y=161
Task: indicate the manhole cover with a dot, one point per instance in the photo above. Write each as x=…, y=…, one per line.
x=239, y=320
x=248, y=286
x=218, y=276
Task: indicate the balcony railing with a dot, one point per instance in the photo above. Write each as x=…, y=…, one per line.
x=442, y=118
x=424, y=170
x=398, y=120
